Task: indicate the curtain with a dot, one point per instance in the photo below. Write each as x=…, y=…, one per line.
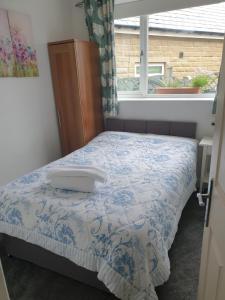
x=100, y=23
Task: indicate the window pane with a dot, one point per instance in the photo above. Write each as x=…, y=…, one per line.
x=188, y=43
x=155, y=70
x=127, y=46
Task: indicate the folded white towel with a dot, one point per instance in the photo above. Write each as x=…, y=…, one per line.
x=77, y=178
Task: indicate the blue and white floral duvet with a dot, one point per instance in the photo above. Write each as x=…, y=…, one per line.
x=125, y=228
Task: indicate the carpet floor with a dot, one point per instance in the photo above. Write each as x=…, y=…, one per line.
x=28, y=282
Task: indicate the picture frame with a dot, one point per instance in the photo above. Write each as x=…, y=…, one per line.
x=18, y=57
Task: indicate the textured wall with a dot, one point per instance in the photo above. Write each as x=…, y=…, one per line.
x=204, y=54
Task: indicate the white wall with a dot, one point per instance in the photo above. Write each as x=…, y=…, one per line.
x=28, y=127
x=199, y=111
x=78, y=22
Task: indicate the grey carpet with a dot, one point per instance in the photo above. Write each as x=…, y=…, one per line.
x=29, y=282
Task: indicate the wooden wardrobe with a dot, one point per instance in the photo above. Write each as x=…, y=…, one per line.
x=76, y=81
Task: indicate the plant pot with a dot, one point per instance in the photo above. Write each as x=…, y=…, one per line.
x=180, y=90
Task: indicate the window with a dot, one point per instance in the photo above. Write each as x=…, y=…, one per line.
x=127, y=55
x=170, y=51
x=153, y=69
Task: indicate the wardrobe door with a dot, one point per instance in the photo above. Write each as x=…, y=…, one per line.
x=64, y=74
x=88, y=70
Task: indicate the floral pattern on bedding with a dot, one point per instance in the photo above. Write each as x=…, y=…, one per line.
x=125, y=228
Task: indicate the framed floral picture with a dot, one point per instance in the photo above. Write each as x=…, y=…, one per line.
x=23, y=45
x=17, y=53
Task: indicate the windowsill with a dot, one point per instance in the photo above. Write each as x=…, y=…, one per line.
x=208, y=98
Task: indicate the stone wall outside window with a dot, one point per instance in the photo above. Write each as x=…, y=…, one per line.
x=200, y=55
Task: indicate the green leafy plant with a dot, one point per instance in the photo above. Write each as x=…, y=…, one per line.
x=201, y=81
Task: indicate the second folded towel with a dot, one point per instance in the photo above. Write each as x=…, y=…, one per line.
x=76, y=178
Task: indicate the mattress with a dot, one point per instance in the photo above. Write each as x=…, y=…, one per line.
x=124, y=229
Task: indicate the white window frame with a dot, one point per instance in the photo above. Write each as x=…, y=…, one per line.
x=143, y=92
x=162, y=65
x=117, y=2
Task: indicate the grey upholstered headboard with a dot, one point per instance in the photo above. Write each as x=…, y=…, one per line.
x=183, y=129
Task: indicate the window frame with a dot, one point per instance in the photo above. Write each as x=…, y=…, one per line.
x=143, y=92
x=162, y=65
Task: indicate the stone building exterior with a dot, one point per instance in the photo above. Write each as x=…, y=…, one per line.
x=187, y=56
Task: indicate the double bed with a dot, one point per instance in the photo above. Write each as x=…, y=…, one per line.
x=116, y=238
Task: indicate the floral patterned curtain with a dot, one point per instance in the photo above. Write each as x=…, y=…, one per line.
x=99, y=19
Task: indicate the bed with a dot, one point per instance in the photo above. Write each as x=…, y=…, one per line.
x=122, y=232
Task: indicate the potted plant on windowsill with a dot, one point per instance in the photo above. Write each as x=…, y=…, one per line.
x=201, y=81
x=175, y=86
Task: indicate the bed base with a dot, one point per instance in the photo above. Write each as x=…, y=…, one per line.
x=18, y=248
x=48, y=260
